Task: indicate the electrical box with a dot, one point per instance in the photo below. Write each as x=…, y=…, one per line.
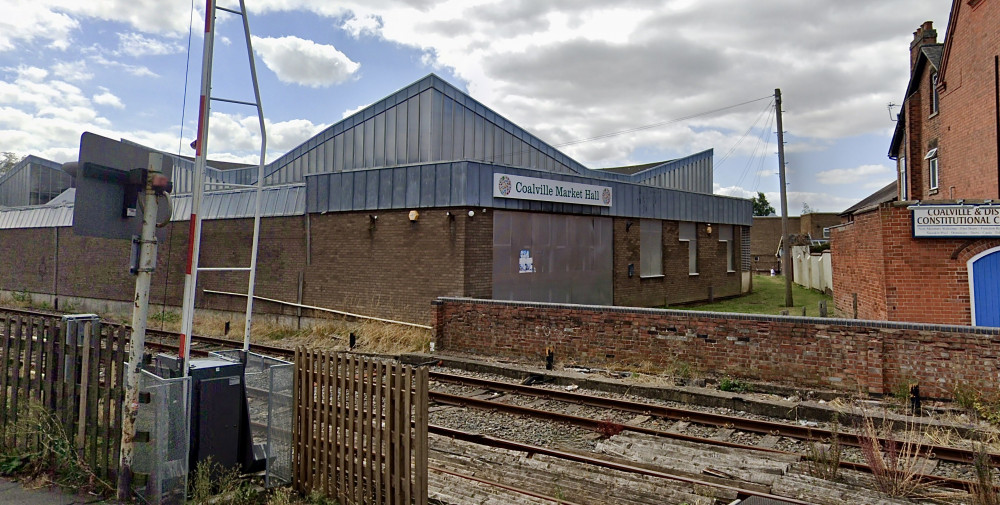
x=217, y=409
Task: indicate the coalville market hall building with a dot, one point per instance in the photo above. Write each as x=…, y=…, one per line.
x=425, y=193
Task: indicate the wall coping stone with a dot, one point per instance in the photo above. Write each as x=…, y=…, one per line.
x=828, y=321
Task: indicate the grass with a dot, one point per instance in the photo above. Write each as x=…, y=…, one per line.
x=768, y=297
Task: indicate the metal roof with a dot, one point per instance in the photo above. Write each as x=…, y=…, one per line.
x=288, y=200
x=39, y=216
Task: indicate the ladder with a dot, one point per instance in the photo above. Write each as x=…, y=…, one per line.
x=201, y=147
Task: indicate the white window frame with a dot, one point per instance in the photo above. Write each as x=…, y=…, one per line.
x=933, y=169
x=688, y=232
x=727, y=234
x=903, y=183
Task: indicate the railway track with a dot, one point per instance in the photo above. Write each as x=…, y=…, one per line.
x=165, y=340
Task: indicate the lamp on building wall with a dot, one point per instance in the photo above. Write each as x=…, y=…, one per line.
x=372, y=219
x=414, y=216
x=451, y=217
x=708, y=228
x=472, y=213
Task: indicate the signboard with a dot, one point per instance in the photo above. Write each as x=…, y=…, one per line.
x=956, y=221
x=547, y=190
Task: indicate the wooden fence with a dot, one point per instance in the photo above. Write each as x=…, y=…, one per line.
x=75, y=382
x=360, y=430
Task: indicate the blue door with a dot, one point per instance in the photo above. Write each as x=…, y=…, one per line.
x=985, y=276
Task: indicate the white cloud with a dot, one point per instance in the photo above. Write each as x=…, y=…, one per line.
x=856, y=175
x=138, y=45
x=234, y=137
x=72, y=71
x=28, y=21
x=107, y=98
x=364, y=25
x=304, y=62
x=351, y=112
x=134, y=70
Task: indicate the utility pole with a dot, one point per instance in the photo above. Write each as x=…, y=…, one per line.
x=140, y=309
x=786, y=260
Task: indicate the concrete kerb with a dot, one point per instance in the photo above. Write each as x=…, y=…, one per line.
x=803, y=410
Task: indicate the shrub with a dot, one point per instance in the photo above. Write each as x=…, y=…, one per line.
x=896, y=464
x=735, y=386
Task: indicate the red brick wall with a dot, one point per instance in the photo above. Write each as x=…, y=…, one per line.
x=806, y=352
x=968, y=105
x=858, y=269
x=676, y=285
x=898, y=277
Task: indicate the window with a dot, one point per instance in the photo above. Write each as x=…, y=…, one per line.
x=932, y=168
x=934, y=93
x=826, y=232
x=726, y=235
x=688, y=233
x=903, y=194
x=650, y=248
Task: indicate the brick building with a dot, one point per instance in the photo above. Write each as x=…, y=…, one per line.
x=765, y=236
x=425, y=193
x=927, y=247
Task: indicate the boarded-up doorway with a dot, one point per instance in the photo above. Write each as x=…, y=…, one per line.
x=552, y=258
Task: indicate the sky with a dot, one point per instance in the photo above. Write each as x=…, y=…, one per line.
x=608, y=83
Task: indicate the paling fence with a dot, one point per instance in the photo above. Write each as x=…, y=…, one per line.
x=69, y=373
x=360, y=431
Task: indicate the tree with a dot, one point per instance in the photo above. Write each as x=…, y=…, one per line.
x=8, y=160
x=806, y=209
x=761, y=207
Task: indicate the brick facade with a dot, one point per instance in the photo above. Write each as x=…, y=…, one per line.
x=968, y=102
x=900, y=278
x=389, y=268
x=894, y=276
x=676, y=285
x=805, y=352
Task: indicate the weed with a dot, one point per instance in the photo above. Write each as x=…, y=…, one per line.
x=970, y=399
x=165, y=317
x=280, y=496
x=984, y=491
x=735, y=385
x=22, y=297
x=896, y=465
x=318, y=498
x=682, y=369
x=824, y=460
x=37, y=444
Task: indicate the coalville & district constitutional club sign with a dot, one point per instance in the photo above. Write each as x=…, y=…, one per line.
x=956, y=220
x=547, y=190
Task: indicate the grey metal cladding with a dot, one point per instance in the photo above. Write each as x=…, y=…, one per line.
x=33, y=181
x=49, y=216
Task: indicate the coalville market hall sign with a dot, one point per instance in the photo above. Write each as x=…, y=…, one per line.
x=547, y=190
x=956, y=221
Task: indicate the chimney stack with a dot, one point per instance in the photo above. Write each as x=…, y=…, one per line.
x=924, y=35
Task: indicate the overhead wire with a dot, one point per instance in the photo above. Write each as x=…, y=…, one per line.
x=749, y=129
x=759, y=152
x=187, y=71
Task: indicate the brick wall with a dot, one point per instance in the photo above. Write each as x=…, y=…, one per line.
x=858, y=268
x=806, y=352
x=968, y=104
x=898, y=277
x=676, y=285
x=765, y=234
x=391, y=269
